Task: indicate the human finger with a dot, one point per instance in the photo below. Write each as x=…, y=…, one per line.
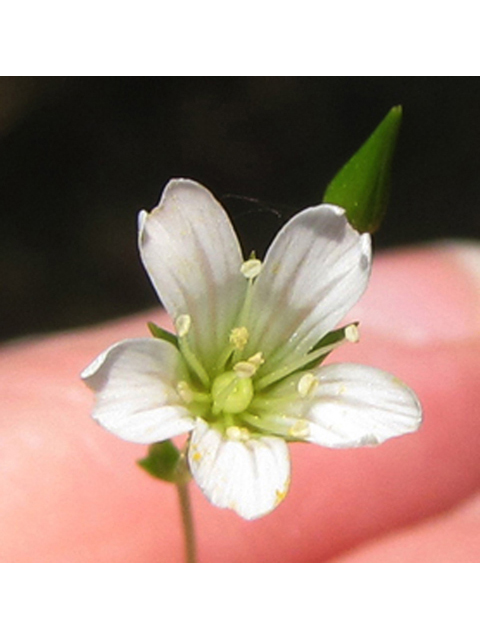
x=89, y=502
x=452, y=536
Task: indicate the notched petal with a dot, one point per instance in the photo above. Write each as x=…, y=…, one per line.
x=193, y=258
x=356, y=405
x=315, y=270
x=249, y=475
x=135, y=391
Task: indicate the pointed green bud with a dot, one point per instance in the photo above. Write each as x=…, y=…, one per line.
x=362, y=185
x=162, y=334
x=165, y=462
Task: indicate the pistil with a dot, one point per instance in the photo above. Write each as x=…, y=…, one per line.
x=230, y=393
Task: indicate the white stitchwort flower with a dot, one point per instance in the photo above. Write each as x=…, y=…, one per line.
x=243, y=376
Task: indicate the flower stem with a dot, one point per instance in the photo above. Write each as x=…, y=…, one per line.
x=187, y=521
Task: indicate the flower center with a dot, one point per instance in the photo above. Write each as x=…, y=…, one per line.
x=231, y=393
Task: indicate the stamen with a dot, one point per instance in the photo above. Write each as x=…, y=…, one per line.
x=237, y=341
x=257, y=359
x=251, y=268
x=350, y=334
x=307, y=385
x=248, y=368
x=273, y=424
x=255, y=421
x=183, y=324
x=299, y=430
x=189, y=395
x=239, y=337
x=238, y=434
x=185, y=392
x=245, y=369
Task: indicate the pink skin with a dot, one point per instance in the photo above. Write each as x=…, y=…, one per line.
x=71, y=492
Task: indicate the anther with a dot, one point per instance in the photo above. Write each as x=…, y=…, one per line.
x=239, y=337
x=352, y=333
x=248, y=368
x=183, y=324
x=251, y=268
x=299, y=430
x=245, y=369
x=238, y=434
x=307, y=385
x=185, y=392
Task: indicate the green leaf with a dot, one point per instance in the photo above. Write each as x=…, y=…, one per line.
x=162, y=334
x=162, y=461
x=362, y=185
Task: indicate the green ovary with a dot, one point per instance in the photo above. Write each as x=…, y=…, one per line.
x=230, y=393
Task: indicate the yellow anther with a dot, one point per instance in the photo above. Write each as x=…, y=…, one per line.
x=245, y=369
x=299, y=430
x=183, y=324
x=248, y=368
x=351, y=333
x=239, y=337
x=238, y=434
x=251, y=268
x=307, y=385
x=257, y=359
x=185, y=392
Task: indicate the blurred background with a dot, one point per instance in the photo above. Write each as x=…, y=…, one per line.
x=79, y=157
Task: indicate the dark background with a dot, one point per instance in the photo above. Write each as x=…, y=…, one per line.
x=79, y=157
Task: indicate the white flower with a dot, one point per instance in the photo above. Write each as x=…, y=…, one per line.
x=244, y=377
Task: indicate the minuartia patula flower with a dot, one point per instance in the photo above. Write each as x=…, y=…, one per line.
x=245, y=376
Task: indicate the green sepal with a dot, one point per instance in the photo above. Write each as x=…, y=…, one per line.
x=162, y=334
x=362, y=186
x=165, y=462
x=332, y=338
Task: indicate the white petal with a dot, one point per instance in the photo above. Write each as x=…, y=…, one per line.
x=251, y=477
x=134, y=382
x=193, y=257
x=355, y=405
x=314, y=272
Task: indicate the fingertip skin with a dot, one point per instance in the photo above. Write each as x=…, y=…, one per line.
x=419, y=296
x=451, y=537
x=71, y=492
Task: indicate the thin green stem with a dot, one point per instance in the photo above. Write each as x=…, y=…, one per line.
x=187, y=522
